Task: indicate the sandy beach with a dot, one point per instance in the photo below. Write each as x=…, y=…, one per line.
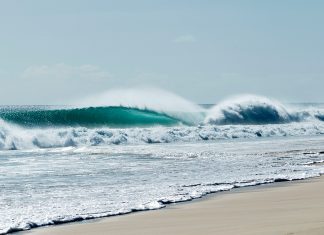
x=283, y=208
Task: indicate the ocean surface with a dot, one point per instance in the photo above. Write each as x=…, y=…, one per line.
x=95, y=159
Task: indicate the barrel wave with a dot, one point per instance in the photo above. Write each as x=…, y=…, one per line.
x=86, y=117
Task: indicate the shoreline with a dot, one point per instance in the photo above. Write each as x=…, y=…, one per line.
x=277, y=208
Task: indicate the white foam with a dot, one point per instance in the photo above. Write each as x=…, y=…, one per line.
x=69, y=184
x=14, y=137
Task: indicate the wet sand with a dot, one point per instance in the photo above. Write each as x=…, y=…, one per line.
x=284, y=208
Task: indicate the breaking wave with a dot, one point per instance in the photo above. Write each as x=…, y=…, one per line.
x=160, y=120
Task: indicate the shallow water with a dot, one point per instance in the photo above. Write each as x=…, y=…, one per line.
x=47, y=186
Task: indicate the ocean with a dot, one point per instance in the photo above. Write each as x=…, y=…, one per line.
x=89, y=160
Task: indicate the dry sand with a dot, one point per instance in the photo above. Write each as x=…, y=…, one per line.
x=285, y=208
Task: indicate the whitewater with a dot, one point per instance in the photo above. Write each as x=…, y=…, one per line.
x=130, y=150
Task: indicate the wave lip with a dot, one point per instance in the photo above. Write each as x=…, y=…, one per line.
x=248, y=109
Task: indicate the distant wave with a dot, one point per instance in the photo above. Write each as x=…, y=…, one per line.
x=249, y=109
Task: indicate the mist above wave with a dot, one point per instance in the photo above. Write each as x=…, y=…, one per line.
x=153, y=99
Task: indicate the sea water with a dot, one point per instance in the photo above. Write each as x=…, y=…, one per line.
x=70, y=163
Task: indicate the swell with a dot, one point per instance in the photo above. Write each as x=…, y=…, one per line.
x=86, y=117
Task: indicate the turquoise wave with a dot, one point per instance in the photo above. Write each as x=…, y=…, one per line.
x=87, y=117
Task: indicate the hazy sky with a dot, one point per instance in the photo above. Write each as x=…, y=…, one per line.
x=53, y=51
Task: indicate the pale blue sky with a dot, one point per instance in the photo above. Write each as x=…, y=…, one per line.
x=52, y=51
